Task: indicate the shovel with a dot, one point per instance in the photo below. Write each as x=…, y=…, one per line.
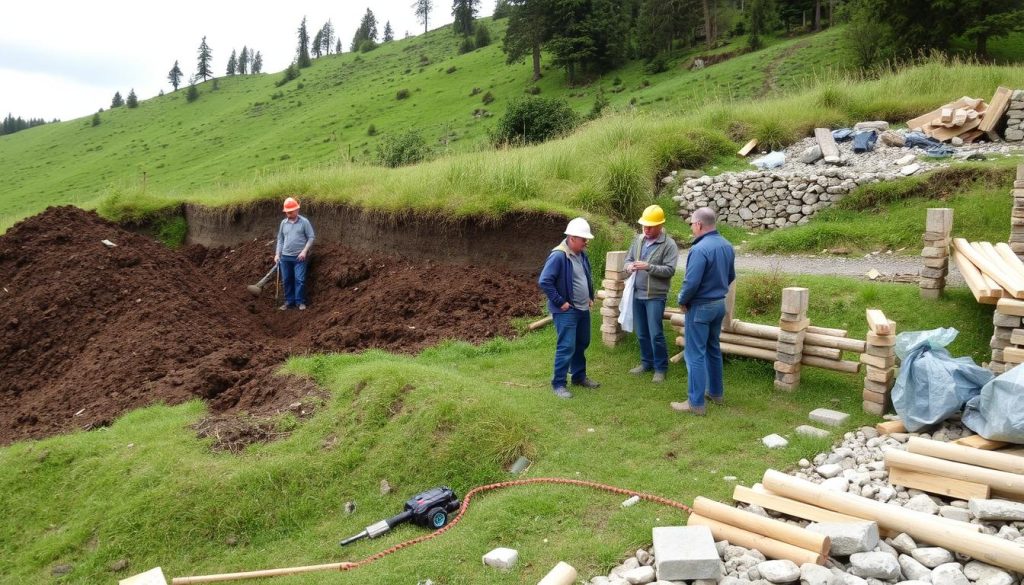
x=257, y=288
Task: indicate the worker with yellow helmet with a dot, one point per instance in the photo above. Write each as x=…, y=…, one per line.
x=652, y=259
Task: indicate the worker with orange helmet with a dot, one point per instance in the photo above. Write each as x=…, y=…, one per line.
x=567, y=282
x=294, y=239
x=652, y=260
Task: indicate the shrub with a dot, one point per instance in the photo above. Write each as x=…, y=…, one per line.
x=96, y=119
x=656, y=65
x=466, y=46
x=475, y=91
x=451, y=70
x=402, y=94
x=488, y=98
x=483, y=35
x=765, y=292
x=290, y=73
x=530, y=120
x=371, y=131
x=617, y=80
x=367, y=45
x=192, y=94
x=600, y=103
x=533, y=90
x=405, y=148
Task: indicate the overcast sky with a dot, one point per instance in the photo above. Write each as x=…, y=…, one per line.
x=66, y=58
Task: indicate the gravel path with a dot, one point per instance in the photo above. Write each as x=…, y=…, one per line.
x=890, y=266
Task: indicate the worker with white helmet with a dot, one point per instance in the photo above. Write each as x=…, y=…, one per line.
x=569, y=286
x=652, y=259
x=294, y=239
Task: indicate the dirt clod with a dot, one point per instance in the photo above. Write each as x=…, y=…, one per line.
x=100, y=330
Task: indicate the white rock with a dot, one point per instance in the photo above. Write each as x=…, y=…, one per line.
x=906, y=160
x=812, y=574
x=501, y=558
x=774, y=442
x=639, y=576
x=903, y=542
x=912, y=569
x=848, y=538
x=876, y=565
x=781, y=571
x=910, y=169
x=932, y=556
x=955, y=513
x=922, y=503
x=829, y=470
x=996, y=510
x=836, y=484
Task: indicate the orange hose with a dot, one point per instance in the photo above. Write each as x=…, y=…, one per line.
x=469, y=496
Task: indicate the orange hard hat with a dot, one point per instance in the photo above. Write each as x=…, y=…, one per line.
x=291, y=204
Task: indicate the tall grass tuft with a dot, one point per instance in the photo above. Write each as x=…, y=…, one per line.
x=627, y=182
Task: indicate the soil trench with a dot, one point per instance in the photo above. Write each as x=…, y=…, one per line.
x=89, y=332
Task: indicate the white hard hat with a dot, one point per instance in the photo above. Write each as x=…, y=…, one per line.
x=579, y=228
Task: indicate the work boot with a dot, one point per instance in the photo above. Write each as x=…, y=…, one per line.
x=561, y=392
x=658, y=378
x=685, y=407
x=715, y=399
x=284, y=307
x=639, y=370
x=587, y=383
x=302, y=307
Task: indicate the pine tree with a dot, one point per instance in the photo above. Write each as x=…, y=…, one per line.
x=257, y=63
x=192, y=94
x=367, y=31
x=303, y=59
x=232, y=63
x=118, y=101
x=318, y=41
x=174, y=76
x=528, y=32
x=502, y=8
x=464, y=12
x=338, y=48
x=133, y=100
x=327, y=38
x=243, y=61
x=389, y=35
x=96, y=119
x=205, y=59
x=422, y=10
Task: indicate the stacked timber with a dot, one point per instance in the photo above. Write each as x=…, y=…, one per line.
x=880, y=359
x=1017, y=215
x=789, y=350
x=935, y=254
x=773, y=538
x=1008, y=336
x=961, y=118
x=614, y=283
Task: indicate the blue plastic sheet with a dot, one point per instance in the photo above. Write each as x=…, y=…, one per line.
x=933, y=385
x=842, y=134
x=998, y=412
x=771, y=160
x=864, y=141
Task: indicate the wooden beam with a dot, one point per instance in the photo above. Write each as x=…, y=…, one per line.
x=877, y=323
x=1001, y=481
x=1010, y=282
x=937, y=484
x=829, y=148
x=826, y=331
x=1011, y=260
x=770, y=547
x=972, y=276
x=979, y=442
x=996, y=108
x=889, y=427
x=966, y=454
x=539, y=323
x=1010, y=307
x=837, y=365
x=788, y=533
x=747, y=147
x=771, y=501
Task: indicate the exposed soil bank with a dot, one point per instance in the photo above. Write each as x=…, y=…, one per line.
x=88, y=331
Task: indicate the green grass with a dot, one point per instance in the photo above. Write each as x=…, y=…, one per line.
x=147, y=490
x=977, y=193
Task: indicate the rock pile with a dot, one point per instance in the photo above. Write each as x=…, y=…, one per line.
x=1015, y=118
x=793, y=193
x=859, y=557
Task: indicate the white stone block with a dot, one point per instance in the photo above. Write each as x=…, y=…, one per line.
x=832, y=418
x=809, y=431
x=502, y=558
x=848, y=538
x=685, y=552
x=774, y=442
x=997, y=510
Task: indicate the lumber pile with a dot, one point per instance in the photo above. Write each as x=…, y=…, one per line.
x=879, y=358
x=792, y=329
x=775, y=539
x=614, y=283
x=955, y=119
x=956, y=470
x=935, y=254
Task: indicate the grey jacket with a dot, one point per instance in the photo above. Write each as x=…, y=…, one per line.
x=654, y=282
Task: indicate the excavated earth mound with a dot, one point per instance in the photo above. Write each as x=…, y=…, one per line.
x=90, y=331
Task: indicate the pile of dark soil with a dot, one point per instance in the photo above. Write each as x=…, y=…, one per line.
x=90, y=331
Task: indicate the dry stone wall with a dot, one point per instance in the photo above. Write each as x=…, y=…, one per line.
x=1015, y=118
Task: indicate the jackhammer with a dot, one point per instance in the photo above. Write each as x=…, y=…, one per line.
x=429, y=509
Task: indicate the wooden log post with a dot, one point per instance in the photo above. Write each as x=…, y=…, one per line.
x=792, y=330
x=788, y=533
x=935, y=254
x=612, y=286
x=768, y=546
x=880, y=359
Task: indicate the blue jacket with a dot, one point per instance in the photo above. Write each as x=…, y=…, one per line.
x=710, y=269
x=556, y=278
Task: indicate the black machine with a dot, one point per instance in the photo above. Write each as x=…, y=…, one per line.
x=429, y=509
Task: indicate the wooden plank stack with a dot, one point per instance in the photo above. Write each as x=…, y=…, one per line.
x=1007, y=336
x=935, y=254
x=880, y=358
x=611, y=294
x=960, y=118
x=957, y=470
x=1017, y=215
x=789, y=349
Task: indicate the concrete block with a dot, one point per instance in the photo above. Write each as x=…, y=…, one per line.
x=939, y=219
x=615, y=261
x=931, y=293
x=502, y=558
x=997, y=510
x=832, y=418
x=848, y=537
x=809, y=431
x=685, y=552
x=774, y=441
x=873, y=408
x=795, y=300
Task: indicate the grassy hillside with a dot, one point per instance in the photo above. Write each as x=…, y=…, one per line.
x=147, y=491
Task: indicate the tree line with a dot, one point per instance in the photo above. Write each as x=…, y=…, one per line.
x=10, y=124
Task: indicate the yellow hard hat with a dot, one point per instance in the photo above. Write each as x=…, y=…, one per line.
x=653, y=215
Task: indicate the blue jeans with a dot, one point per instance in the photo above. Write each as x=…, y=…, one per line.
x=573, y=330
x=293, y=273
x=648, y=317
x=703, y=352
